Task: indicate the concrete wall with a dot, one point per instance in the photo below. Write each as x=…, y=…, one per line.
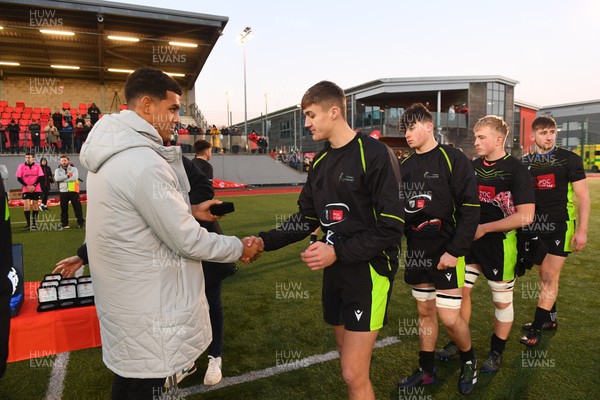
x=255, y=169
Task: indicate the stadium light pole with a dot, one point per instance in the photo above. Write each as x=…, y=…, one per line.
x=227, y=95
x=244, y=35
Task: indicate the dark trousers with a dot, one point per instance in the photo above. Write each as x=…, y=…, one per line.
x=137, y=389
x=73, y=197
x=213, y=296
x=14, y=145
x=45, y=193
x=5, y=294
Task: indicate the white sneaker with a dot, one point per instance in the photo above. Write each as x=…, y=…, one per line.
x=213, y=372
x=189, y=370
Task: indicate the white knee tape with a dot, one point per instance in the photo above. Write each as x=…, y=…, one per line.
x=471, y=275
x=447, y=301
x=505, y=315
x=502, y=292
x=423, y=294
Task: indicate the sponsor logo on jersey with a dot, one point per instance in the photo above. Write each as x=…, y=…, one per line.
x=346, y=178
x=334, y=213
x=417, y=203
x=429, y=175
x=486, y=193
x=543, y=182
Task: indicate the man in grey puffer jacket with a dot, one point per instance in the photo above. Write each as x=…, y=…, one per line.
x=144, y=245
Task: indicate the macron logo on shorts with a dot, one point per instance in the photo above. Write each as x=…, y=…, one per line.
x=448, y=276
x=358, y=314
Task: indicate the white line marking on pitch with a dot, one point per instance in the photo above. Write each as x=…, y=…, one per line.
x=279, y=369
x=57, y=378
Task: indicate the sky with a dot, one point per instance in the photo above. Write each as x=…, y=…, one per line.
x=552, y=48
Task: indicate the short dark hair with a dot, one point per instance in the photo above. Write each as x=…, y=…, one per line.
x=201, y=145
x=65, y=156
x=148, y=81
x=544, y=121
x=417, y=112
x=29, y=153
x=326, y=94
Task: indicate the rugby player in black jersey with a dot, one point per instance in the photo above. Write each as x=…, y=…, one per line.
x=557, y=175
x=352, y=193
x=442, y=214
x=507, y=204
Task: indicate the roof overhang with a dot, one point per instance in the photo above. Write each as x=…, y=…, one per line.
x=90, y=48
x=383, y=88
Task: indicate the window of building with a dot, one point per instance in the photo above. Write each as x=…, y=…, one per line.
x=285, y=129
x=496, y=96
x=517, y=127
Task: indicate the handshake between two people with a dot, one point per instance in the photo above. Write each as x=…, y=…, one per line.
x=317, y=256
x=253, y=246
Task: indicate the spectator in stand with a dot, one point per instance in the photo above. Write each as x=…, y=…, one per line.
x=94, y=113
x=253, y=142
x=263, y=146
x=236, y=139
x=215, y=135
x=51, y=132
x=78, y=137
x=66, y=137
x=13, y=135
x=67, y=177
x=35, y=130
x=79, y=118
x=69, y=118
x=30, y=175
x=226, y=134
x=57, y=118
x=87, y=127
x=45, y=184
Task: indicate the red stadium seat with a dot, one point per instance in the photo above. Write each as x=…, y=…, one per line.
x=123, y=107
x=66, y=106
x=28, y=110
x=3, y=103
x=20, y=104
x=1, y=109
x=6, y=115
x=19, y=109
x=82, y=106
x=4, y=121
x=37, y=110
x=8, y=109
x=24, y=123
x=36, y=116
x=15, y=115
x=47, y=110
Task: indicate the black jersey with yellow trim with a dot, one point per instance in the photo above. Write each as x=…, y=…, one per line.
x=440, y=184
x=352, y=193
x=500, y=180
x=552, y=176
